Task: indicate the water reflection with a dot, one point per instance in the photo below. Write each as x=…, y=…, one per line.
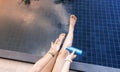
x=31, y=30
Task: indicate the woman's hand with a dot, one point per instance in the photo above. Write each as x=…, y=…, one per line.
x=68, y=61
x=56, y=45
x=71, y=56
x=40, y=64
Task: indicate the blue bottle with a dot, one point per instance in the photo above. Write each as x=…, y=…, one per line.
x=78, y=52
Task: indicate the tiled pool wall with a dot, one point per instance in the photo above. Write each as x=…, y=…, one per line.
x=97, y=31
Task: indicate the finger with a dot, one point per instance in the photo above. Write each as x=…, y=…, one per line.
x=73, y=52
x=52, y=44
x=74, y=56
x=55, y=44
x=61, y=36
x=60, y=39
x=56, y=40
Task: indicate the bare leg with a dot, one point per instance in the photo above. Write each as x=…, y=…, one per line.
x=69, y=38
x=50, y=65
x=68, y=42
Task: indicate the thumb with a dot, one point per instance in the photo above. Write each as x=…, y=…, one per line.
x=74, y=56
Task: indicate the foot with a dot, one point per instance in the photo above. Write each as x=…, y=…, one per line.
x=73, y=20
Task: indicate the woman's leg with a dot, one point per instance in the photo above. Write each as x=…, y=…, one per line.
x=50, y=65
x=69, y=39
x=68, y=42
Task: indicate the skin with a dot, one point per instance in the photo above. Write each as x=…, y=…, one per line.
x=67, y=43
x=50, y=65
x=40, y=64
x=63, y=53
x=56, y=63
x=67, y=63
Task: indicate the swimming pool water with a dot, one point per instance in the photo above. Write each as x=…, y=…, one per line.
x=97, y=31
